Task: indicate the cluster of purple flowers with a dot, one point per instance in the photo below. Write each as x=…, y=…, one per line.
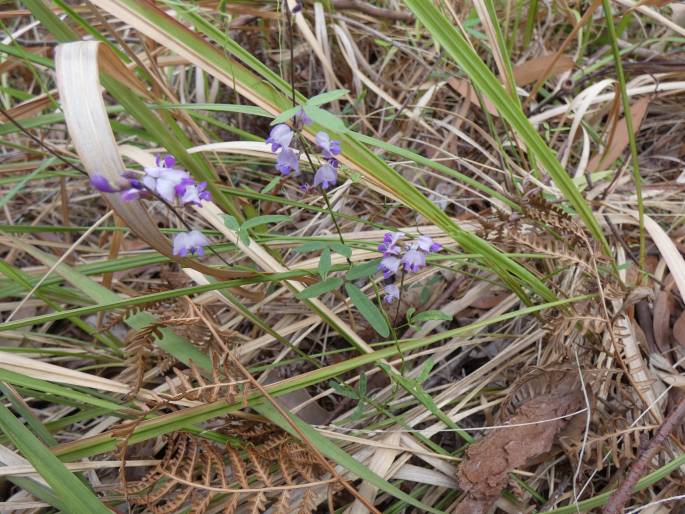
x=172, y=185
x=412, y=258
x=288, y=159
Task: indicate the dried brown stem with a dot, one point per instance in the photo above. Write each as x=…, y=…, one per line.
x=372, y=10
x=639, y=468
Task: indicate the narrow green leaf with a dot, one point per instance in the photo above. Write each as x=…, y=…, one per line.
x=231, y=222
x=327, y=97
x=320, y=288
x=368, y=309
x=363, y=270
x=341, y=249
x=286, y=115
x=271, y=185
x=78, y=498
x=432, y=315
x=264, y=220
x=325, y=119
x=324, y=263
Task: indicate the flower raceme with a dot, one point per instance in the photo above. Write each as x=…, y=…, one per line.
x=288, y=159
x=162, y=180
x=413, y=258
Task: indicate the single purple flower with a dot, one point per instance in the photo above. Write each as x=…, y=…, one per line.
x=326, y=176
x=131, y=194
x=168, y=161
x=194, y=194
x=288, y=161
x=426, y=244
x=162, y=181
x=329, y=147
x=389, y=265
x=280, y=137
x=392, y=293
x=413, y=259
x=192, y=242
x=389, y=244
x=301, y=119
x=305, y=187
x=103, y=185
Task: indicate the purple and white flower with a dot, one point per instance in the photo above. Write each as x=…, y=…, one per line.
x=392, y=293
x=326, y=176
x=413, y=259
x=288, y=160
x=301, y=119
x=192, y=242
x=389, y=245
x=426, y=244
x=130, y=188
x=168, y=161
x=280, y=137
x=162, y=181
x=389, y=265
x=329, y=147
x=190, y=192
x=103, y=185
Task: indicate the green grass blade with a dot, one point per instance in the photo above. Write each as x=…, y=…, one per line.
x=77, y=498
x=486, y=82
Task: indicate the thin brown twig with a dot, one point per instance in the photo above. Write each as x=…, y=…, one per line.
x=639, y=467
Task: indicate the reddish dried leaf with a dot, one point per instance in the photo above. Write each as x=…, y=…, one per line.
x=679, y=329
x=485, y=470
x=662, y=320
x=465, y=89
x=543, y=67
x=618, y=140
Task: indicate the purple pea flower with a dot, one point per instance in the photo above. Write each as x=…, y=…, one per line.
x=326, y=176
x=389, y=244
x=392, y=293
x=163, y=181
x=301, y=119
x=130, y=188
x=131, y=194
x=288, y=161
x=413, y=259
x=426, y=244
x=168, y=161
x=190, y=192
x=280, y=137
x=192, y=242
x=329, y=147
x=103, y=185
x=389, y=265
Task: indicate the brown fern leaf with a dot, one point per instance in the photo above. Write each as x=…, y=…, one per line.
x=232, y=504
x=257, y=503
x=308, y=503
x=257, y=465
x=174, y=503
x=237, y=466
x=283, y=504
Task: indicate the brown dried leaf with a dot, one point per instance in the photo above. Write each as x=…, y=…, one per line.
x=618, y=139
x=485, y=470
x=662, y=320
x=679, y=329
x=541, y=68
x=465, y=89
